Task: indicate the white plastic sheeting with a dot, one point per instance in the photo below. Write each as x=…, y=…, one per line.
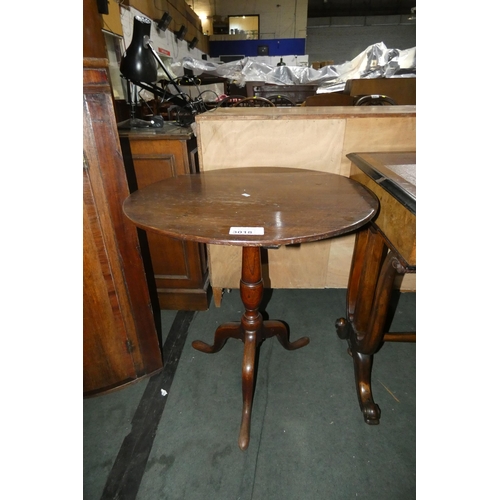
x=377, y=61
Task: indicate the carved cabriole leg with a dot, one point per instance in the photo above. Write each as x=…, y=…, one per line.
x=363, y=376
x=371, y=281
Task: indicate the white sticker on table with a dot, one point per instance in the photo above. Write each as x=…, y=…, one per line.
x=247, y=230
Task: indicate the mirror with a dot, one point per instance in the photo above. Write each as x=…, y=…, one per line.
x=248, y=26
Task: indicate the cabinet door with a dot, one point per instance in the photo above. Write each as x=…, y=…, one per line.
x=179, y=267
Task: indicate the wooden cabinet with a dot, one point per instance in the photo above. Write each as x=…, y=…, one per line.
x=120, y=336
x=179, y=267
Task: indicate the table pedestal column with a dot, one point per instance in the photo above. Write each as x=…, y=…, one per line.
x=252, y=330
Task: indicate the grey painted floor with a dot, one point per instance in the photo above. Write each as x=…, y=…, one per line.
x=308, y=438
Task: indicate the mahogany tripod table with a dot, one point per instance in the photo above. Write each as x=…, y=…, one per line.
x=252, y=207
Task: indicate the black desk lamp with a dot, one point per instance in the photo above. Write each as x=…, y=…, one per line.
x=139, y=67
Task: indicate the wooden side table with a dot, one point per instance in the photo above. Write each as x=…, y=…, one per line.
x=384, y=249
x=252, y=207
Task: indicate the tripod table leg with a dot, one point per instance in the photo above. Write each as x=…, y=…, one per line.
x=251, y=292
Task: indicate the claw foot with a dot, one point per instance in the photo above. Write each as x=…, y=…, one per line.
x=371, y=413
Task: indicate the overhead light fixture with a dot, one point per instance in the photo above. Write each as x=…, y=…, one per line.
x=163, y=23
x=181, y=33
x=192, y=43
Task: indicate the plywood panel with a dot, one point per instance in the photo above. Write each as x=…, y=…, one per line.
x=339, y=261
x=312, y=144
x=300, y=266
x=224, y=266
x=377, y=134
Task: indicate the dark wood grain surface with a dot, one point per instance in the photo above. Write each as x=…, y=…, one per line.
x=292, y=205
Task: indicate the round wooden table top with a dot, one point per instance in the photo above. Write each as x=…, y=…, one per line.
x=252, y=206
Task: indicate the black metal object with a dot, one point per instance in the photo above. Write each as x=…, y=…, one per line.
x=138, y=63
x=163, y=23
x=139, y=67
x=181, y=33
x=102, y=7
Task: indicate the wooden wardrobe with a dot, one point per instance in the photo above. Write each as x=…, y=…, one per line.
x=121, y=341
